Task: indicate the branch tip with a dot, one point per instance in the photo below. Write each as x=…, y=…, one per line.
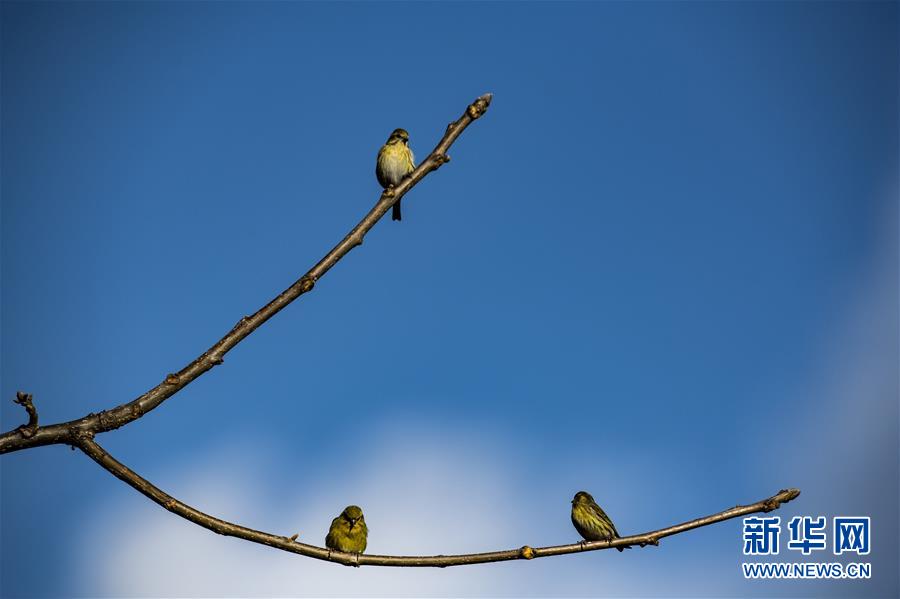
x=790, y=494
x=479, y=106
x=783, y=496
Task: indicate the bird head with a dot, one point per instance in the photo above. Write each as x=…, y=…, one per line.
x=352, y=514
x=582, y=497
x=398, y=136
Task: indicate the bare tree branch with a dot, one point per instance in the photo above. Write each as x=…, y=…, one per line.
x=288, y=543
x=80, y=433
x=66, y=432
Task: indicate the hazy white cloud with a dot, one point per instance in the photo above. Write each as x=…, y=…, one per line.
x=843, y=434
x=850, y=400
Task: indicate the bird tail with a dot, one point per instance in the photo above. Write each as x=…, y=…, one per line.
x=395, y=214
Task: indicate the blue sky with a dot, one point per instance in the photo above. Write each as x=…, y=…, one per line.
x=663, y=268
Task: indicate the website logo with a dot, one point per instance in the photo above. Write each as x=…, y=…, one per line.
x=807, y=535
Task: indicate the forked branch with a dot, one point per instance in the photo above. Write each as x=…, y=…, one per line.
x=285, y=543
x=80, y=433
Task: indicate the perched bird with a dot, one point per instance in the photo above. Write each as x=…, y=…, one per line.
x=348, y=531
x=591, y=521
x=395, y=161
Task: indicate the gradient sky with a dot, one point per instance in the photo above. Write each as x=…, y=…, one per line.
x=663, y=268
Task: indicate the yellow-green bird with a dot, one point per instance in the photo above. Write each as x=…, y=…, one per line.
x=395, y=161
x=591, y=521
x=348, y=532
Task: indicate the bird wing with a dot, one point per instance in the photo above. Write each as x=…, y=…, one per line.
x=598, y=511
x=379, y=168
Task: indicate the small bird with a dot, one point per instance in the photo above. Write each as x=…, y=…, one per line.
x=395, y=161
x=348, y=531
x=591, y=521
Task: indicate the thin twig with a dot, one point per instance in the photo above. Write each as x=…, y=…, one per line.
x=285, y=543
x=67, y=432
x=25, y=400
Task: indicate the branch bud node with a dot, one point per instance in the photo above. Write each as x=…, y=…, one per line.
x=526, y=552
x=306, y=284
